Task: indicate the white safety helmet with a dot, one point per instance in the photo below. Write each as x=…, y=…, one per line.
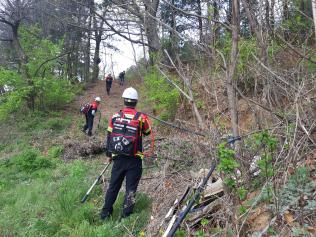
x=130, y=93
x=98, y=99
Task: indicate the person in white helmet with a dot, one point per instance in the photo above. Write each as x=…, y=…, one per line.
x=124, y=147
x=90, y=115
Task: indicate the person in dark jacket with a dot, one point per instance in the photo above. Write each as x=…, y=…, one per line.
x=90, y=116
x=122, y=77
x=125, y=166
x=108, y=82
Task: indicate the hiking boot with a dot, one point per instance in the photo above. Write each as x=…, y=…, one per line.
x=105, y=215
x=125, y=215
x=89, y=134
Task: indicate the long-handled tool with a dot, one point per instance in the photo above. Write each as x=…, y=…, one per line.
x=94, y=183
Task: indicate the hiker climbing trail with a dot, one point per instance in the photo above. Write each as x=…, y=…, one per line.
x=109, y=105
x=77, y=144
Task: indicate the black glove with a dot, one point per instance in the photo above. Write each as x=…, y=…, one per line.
x=108, y=154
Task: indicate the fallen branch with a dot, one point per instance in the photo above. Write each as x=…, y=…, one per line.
x=195, y=217
x=174, y=84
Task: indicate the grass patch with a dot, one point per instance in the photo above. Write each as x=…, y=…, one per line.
x=43, y=199
x=31, y=130
x=39, y=121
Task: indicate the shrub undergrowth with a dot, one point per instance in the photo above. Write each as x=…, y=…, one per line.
x=163, y=96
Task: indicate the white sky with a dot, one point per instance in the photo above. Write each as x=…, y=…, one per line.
x=122, y=59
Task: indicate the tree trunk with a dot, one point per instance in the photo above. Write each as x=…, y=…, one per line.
x=209, y=27
x=262, y=44
x=286, y=17
x=144, y=47
x=271, y=22
x=257, y=29
x=23, y=65
x=229, y=12
x=19, y=51
x=96, y=57
x=173, y=38
x=314, y=15
x=69, y=48
x=150, y=25
x=216, y=24
x=267, y=13
x=147, y=19
x=199, y=12
x=75, y=59
x=87, y=52
x=153, y=39
x=231, y=93
x=98, y=39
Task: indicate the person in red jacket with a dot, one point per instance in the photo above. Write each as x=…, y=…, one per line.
x=124, y=147
x=90, y=115
x=108, y=83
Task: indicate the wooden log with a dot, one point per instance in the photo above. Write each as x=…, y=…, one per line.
x=196, y=216
x=175, y=206
x=173, y=219
x=213, y=188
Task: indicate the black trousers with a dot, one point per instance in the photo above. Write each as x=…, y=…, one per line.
x=121, y=81
x=89, y=123
x=123, y=167
x=108, y=87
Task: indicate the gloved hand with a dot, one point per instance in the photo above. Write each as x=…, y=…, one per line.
x=109, y=160
x=108, y=154
x=93, y=112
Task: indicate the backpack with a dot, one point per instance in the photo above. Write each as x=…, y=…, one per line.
x=85, y=108
x=125, y=136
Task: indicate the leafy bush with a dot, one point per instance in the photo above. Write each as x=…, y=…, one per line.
x=161, y=94
x=13, y=99
x=228, y=164
x=298, y=184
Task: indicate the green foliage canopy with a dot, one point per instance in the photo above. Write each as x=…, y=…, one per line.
x=51, y=91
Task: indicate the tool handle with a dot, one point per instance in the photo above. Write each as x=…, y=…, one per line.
x=94, y=183
x=84, y=198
